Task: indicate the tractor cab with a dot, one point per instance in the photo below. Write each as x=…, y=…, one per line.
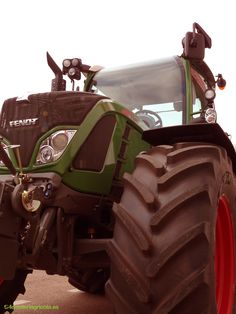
x=162, y=93
x=167, y=92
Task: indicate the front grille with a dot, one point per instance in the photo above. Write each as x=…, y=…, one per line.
x=52, y=109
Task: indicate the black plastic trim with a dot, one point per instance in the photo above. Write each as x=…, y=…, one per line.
x=201, y=132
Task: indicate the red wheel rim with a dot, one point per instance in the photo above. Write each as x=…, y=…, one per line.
x=1, y=281
x=224, y=258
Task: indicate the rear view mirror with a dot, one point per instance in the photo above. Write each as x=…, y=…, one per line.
x=194, y=43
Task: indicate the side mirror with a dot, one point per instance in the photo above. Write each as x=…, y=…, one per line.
x=194, y=43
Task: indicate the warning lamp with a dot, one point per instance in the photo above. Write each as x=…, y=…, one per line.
x=221, y=82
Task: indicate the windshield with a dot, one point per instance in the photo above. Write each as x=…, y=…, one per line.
x=154, y=90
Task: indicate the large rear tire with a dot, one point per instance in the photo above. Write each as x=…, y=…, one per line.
x=9, y=290
x=173, y=249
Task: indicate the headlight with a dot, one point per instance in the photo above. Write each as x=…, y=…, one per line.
x=45, y=154
x=210, y=115
x=53, y=146
x=59, y=140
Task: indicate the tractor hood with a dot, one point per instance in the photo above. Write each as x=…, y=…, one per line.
x=24, y=121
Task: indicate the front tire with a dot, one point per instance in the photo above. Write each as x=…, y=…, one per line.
x=9, y=289
x=174, y=223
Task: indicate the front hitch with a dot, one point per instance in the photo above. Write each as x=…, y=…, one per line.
x=17, y=206
x=26, y=203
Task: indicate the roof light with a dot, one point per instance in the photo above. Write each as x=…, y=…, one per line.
x=66, y=63
x=72, y=72
x=75, y=62
x=210, y=94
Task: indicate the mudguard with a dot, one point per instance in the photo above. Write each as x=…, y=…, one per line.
x=201, y=132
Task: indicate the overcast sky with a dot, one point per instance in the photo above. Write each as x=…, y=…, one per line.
x=111, y=33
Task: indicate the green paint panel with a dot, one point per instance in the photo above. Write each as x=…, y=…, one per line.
x=189, y=97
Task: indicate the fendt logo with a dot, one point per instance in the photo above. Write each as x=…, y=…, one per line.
x=23, y=122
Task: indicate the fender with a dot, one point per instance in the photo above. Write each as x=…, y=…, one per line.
x=201, y=132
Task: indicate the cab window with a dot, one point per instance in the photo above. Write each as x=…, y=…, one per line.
x=154, y=91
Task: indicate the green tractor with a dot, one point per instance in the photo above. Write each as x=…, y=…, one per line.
x=127, y=187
